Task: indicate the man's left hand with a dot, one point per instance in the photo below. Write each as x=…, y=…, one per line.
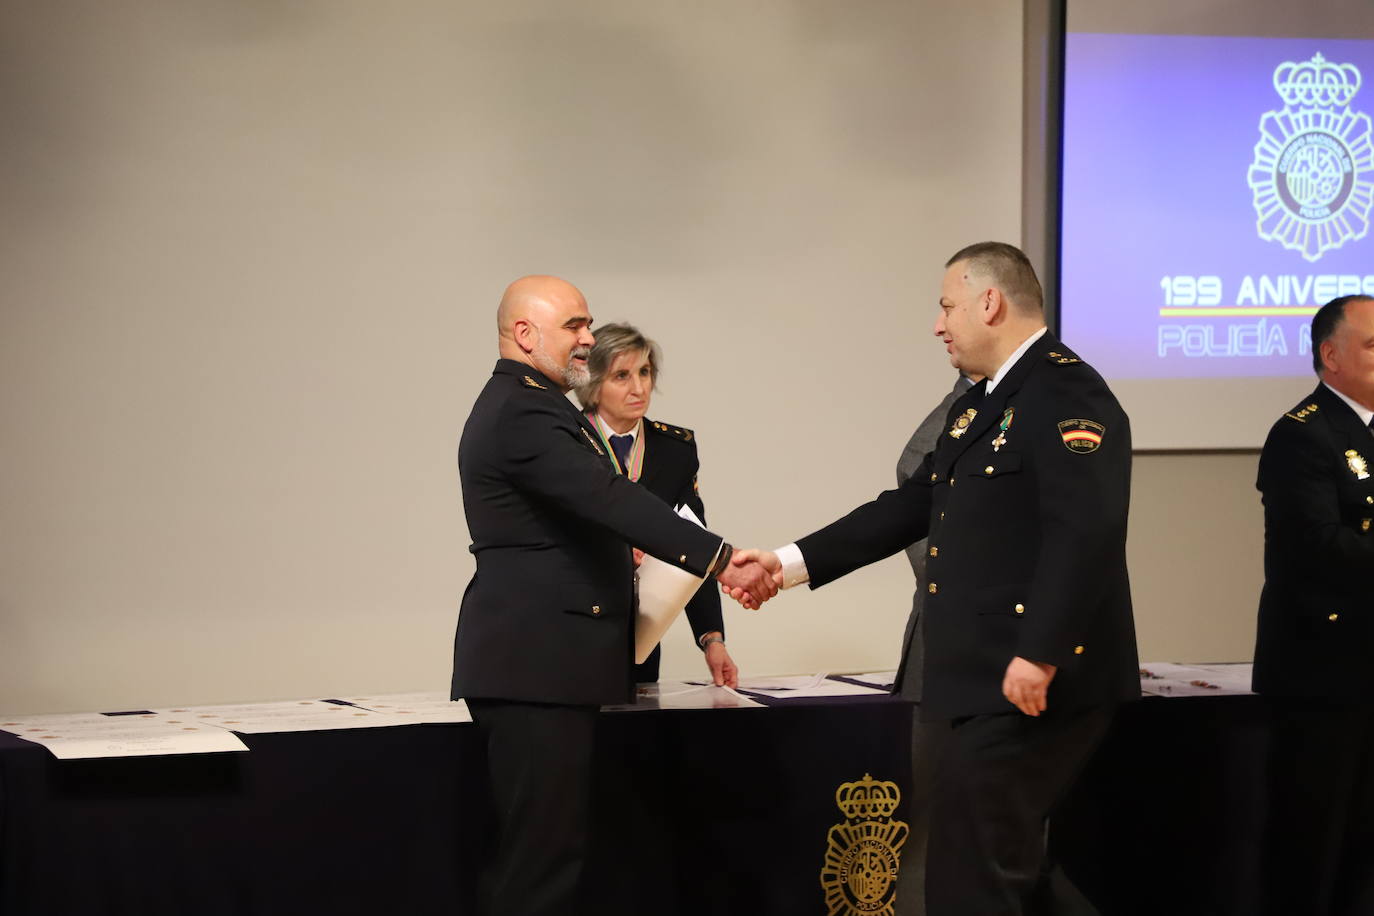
x=723, y=670
x=1027, y=683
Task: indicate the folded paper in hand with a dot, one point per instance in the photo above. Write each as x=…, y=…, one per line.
x=664, y=591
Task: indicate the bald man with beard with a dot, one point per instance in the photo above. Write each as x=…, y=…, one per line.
x=546, y=630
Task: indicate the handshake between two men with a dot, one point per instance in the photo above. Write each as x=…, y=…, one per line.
x=1029, y=641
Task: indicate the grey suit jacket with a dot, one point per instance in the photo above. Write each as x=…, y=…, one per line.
x=922, y=443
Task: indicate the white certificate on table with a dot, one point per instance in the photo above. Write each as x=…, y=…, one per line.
x=664, y=590
x=286, y=716
x=425, y=707
x=86, y=735
x=1164, y=679
x=805, y=685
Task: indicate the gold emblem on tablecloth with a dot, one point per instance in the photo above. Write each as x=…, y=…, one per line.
x=859, y=876
x=1358, y=466
x=961, y=425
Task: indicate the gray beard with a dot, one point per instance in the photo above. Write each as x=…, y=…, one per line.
x=571, y=376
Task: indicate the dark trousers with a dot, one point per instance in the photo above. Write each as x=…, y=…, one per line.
x=927, y=742
x=539, y=761
x=999, y=778
x=1320, y=850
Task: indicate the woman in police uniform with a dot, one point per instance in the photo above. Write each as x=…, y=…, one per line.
x=624, y=368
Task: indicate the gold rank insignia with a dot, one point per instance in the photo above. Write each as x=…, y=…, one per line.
x=1081, y=436
x=588, y=436
x=1062, y=359
x=961, y=425
x=684, y=434
x=1302, y=413
x=531, y=383
x=1358, y=466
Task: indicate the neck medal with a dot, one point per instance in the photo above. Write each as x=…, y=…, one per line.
x=961, y=425
x=1358, y=466
x=636, y=467
x=1002, y=427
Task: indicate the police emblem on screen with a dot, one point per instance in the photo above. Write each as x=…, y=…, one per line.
x=1313, y=174
x=859, y=876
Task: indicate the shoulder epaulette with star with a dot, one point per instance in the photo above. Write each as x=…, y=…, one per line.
x=1062, y=359
x=1302, y=412
x=677, y=432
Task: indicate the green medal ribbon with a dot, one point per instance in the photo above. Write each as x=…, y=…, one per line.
x=636, y=453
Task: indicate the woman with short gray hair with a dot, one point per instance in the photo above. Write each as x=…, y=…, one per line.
x=624, y=367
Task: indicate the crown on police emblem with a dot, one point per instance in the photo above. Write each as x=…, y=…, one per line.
x=1316, y=82
x=1311, y=176
x=867, y=798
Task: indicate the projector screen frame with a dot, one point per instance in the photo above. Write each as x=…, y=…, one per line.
x=1042, y=142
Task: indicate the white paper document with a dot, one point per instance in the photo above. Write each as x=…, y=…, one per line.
x=86, y=735
x=805, y=685
x=664, y=591
x=682, y=695
x=430, y=706
x=286, y=716
x=1164, y=679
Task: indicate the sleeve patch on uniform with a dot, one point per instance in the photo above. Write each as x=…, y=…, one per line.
x=1081, y=436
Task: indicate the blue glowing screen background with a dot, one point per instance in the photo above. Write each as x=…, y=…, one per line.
x=1216, y=190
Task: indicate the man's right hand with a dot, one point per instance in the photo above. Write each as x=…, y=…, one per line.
x=752, y=577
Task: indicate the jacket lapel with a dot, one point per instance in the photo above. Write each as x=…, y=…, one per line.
x=991, y=407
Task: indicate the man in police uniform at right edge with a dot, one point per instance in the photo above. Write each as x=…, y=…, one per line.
x=1030, y=641
x=1314, y=656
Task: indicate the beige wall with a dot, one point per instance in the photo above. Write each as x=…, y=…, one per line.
x=1196, y=551
x=248, y=264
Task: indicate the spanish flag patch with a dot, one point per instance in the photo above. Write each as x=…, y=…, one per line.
x=1081, y=436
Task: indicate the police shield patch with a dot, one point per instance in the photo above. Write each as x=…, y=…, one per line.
x=1081, y=436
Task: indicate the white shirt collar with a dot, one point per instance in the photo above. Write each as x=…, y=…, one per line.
x=608, y=432
x=1363, y=412
x=1011, y=360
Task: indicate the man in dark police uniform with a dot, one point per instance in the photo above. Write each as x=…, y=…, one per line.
x=545, y=633
x=1030, y=642
x=1314, y=656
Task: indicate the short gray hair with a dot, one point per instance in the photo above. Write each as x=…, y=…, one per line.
x=611, y=341
x=1008, y=268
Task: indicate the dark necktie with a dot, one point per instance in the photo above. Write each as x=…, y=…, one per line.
x=621, y=445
